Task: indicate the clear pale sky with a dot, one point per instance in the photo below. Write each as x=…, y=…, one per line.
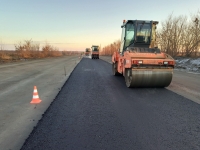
x=77, y=24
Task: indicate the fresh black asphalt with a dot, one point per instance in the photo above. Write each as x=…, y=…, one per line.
x=96, y=111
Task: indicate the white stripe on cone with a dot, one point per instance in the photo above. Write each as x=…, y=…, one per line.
x=35, y=96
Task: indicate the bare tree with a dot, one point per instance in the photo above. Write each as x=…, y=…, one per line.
x=170, y=36
x=191, y=37
x=180, y=36
x=109, y=49
x=46, y=49
x=19, y=48
x=27, y=49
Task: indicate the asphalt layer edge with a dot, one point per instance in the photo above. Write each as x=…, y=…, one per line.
x=35, y=127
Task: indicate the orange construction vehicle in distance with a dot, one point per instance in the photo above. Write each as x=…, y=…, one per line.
x=139, y=60
x=87, y=52
x=95, y=52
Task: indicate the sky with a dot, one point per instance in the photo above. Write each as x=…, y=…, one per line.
x=78, y=24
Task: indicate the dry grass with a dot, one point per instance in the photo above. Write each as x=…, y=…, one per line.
x=13, y=56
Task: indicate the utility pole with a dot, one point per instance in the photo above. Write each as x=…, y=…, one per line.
x=196, y=35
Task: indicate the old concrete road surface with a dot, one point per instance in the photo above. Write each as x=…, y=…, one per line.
x=17, y=79
x=95, y=110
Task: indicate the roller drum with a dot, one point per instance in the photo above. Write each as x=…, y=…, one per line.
x=148, y=77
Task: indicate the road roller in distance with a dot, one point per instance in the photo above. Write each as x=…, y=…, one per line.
x=139, y=59
x=87, y=52
x=95, y=52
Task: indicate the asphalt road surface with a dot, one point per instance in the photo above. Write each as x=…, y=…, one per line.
x=183, y=83
x=95, y=110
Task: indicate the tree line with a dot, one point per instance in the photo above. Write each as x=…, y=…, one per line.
x=30, y=50
x=109, y=49
x=178, y=36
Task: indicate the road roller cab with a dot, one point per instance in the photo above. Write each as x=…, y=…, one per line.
x=138, y=59
x=95, y=52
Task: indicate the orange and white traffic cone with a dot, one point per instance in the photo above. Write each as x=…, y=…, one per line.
x=36, y=99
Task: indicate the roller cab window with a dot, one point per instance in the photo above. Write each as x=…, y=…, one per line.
x=129, y=37
x=143, y=33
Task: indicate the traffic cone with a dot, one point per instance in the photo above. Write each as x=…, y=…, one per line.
x=36, y=99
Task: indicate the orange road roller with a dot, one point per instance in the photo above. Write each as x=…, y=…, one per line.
x=139, y=59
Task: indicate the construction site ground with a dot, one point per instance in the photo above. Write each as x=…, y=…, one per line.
x=95, y=110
